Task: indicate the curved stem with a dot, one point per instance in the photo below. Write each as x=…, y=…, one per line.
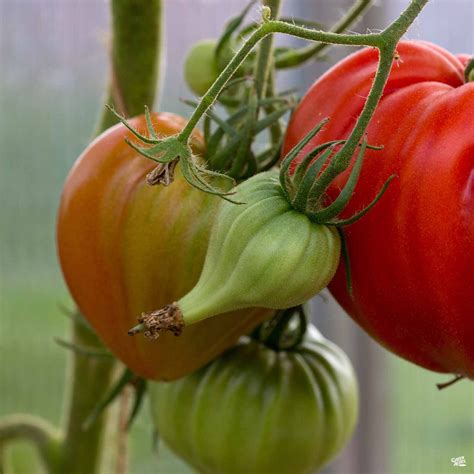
x=385, y=41
x=455, y=379
x=389, y=40
x=135, y=58
x=269, y=27
x=45, y=437
x=300, y=56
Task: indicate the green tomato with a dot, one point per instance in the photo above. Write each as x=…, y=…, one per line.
x=255, y=410
x=262, y=253
x=200, y=67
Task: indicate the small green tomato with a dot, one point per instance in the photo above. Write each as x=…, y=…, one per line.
x=200, y=67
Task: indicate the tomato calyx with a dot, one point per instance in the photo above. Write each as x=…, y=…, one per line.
x=152, y=323
x=167, y=152
x=306, y=181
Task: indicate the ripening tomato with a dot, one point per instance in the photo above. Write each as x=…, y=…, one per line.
x=126, y=247
x=412, y=255
x=257, y=410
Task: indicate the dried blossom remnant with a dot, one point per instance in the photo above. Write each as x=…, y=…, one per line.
x=168, y=318
x=162, y=174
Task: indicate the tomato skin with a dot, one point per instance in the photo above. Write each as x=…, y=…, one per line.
x=255, y=410
x=412, y=255
x=126, y=247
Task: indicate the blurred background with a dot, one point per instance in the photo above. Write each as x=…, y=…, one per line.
x=53, y=71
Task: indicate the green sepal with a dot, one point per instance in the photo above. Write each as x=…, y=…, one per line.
x=293, y=153
x=346, y=260
x=303, y=188
x=165, y=151
x=358, y=215
x=194, y=175
x=82, y=350
x=140, y=386
x=338, y=205
x=248, y=133
x=149, y=123
x=302, y=166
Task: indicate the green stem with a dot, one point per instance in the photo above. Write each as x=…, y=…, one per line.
x=264, y=62
x=45, y=437
x=135, y=58
x=265, y=71
x=300, y=56
x=389, y=40
x=385, y=41
x=90, y=378
x=267, y=28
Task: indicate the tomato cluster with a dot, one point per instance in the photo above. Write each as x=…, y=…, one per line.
x=215, y=268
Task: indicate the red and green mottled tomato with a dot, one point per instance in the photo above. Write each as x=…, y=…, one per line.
x=412, y=255
x=255, y=410
x=126, y=247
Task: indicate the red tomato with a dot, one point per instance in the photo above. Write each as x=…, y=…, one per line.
x=412, y=255
x=126, y=247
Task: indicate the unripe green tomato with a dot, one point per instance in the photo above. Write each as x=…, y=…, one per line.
x=200, y=67
x=255, y=410
x=262, y=253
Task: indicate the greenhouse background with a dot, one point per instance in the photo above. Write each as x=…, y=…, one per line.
x=53, y=68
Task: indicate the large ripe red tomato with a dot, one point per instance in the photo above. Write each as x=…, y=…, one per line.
x=412, y=255
x=126, y=247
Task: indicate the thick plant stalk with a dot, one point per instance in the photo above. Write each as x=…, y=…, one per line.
x=90, y=379
x=135, y=58
x=135, y=61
